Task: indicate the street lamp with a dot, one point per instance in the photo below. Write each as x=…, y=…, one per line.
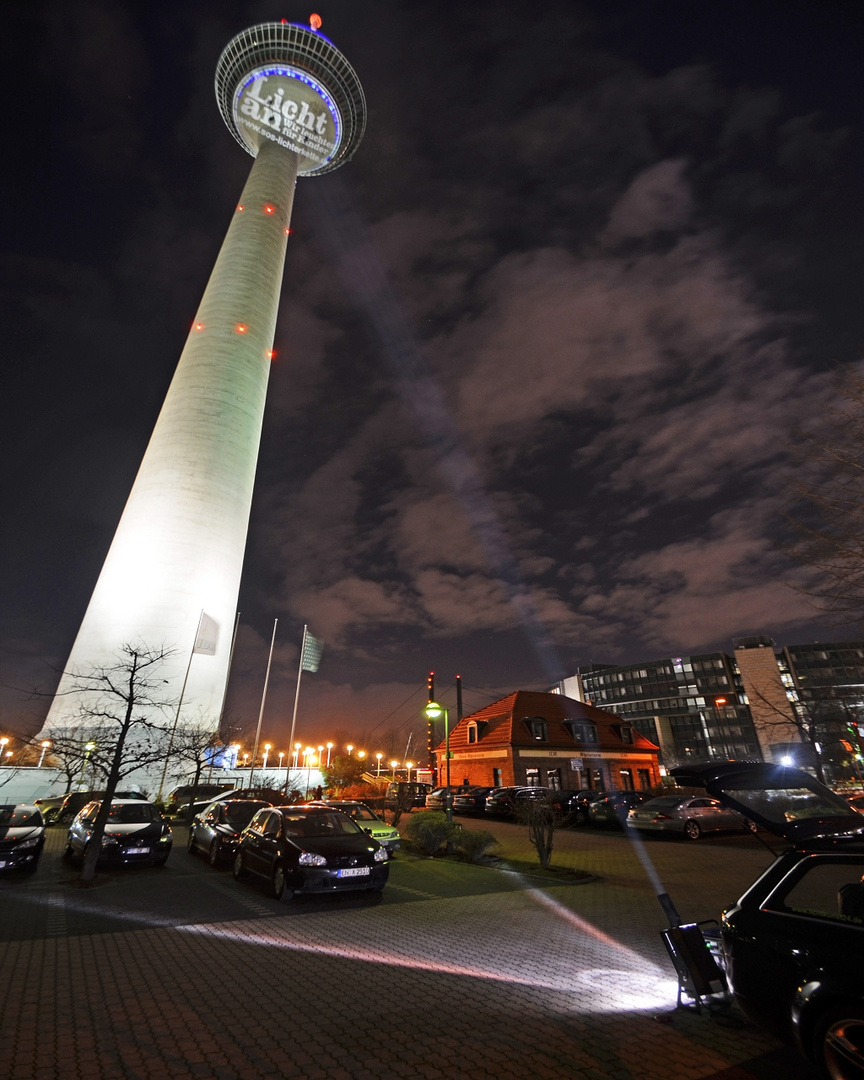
x=296, y=753
x=349, y=748
x=245, y=760
x=433, y=711
x=329, y=749
x=267, y=748
x=361, y=754
x=379, y=756
x=88, y=750
x=409, y=765
x=281, y=755
x=393, y=765
x=45, y=746
x=4, y=742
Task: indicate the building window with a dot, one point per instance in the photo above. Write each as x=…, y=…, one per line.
x=537, y=727
x=472, y=732
x=496, y=778
x=626, y=779
x=553, y=779
x=626, y=735
x=532, y=778
x=581, y=731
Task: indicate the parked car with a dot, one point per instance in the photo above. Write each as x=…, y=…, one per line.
x=77, y=800
x=472, y=801
x=687, y=815
x=178, y=799
x=386, y=835
x=22, y=837
x=50, y=807
x=857, y=803
x=405, y=795
x=613, y=808
x=793, y=942
x=437, y=798
x=135, y=833
x=216, y=828
x=503, y=802
x=310, y=849
x=573, y=805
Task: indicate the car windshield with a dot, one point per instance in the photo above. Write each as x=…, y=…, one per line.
x=132, y=814
x=241, y=813
x=19, y=817
x=324, y=824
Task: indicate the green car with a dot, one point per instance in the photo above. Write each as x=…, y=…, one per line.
x=379, y=830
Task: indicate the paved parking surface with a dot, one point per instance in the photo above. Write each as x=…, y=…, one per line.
x=458, y=971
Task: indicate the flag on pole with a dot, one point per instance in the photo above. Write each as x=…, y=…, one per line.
x=312, y=649
x=208, y=633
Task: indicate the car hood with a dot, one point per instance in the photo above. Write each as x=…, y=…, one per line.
x=787, y=802
x=25, y=832
x=359, y=844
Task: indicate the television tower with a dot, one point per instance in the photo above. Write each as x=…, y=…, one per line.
x=172, y=575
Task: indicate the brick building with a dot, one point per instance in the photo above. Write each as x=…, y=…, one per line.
x=548, y=740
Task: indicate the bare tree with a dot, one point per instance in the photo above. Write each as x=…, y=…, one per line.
x=828, y=521
x=542, y=819
x=122, y=726
x=67, y=755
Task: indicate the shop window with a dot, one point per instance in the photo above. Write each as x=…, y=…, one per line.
x=553, y=779
x=532, y=778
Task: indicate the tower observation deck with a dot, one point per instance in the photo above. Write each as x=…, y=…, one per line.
x=172, y=574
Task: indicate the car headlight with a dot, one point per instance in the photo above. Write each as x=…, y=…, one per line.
x=32, y=842
x=165, y=838
x=106, y=839
x=309, y=858
x=380, y=855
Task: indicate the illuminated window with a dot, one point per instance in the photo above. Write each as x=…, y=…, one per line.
x=537, y=727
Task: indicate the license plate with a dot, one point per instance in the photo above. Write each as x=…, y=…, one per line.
x=138, y=851
x=355, y=871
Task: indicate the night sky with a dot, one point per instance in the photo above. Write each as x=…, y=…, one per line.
x=545, y=350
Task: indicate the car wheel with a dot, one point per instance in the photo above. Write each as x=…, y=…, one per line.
x=50, y=816
x=838, y=1043
x=238, y=868
x=279, y=884
x=190, y=843
x=692, y=830
x=68, y=853
x=214, y=853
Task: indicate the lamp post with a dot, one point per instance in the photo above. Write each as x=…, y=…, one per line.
x=45, y=746
x=349, y=748
x=378, y=770
x=245, y=760
x=267, y=748
x=409, y=765
x=281, y=755
x=393, y=765
x=4, y=742
x=88, y=750
x=329, y=749
x=296, y=753
x=433, y=711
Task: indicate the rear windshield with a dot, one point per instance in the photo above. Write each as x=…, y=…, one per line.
x=19, y=817
x=787, y=804
x=241, y=813
x=667, y=801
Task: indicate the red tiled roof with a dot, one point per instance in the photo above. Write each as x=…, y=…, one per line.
x=500, y=724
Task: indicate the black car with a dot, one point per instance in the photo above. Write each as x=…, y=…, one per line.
x=612, y=809
x=793, y=943
x=573, y=805
x=22, y=837
x=472, y=801
x=216, y=829
x=310, y=849
x=440, y=797
x=135, y=834
x=504, y=802
x=406, y=795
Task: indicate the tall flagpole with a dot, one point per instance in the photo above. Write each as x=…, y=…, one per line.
x=179, y=707
x=296, y=699
x=263, y=699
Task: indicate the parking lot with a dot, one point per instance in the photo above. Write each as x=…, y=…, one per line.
x=459, y=970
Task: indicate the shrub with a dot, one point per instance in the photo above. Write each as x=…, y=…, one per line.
x=429, y=830
x=474, y=843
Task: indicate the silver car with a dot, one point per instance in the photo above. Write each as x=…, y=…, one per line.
x=691, y=815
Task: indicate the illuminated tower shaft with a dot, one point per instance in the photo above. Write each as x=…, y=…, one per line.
x=293, y=101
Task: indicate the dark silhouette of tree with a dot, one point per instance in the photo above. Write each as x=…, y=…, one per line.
x=122, y=724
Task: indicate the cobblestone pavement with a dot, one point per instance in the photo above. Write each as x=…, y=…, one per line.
x=459, y=971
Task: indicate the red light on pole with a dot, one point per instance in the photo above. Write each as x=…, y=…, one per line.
x=315, y=21
x=241, y=328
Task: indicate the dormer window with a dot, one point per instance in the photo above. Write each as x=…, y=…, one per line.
x=582, y=731
x=626, y=734
x=472, y=732
x=537, y=727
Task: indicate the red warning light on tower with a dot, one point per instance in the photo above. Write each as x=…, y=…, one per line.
x=315, y=21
